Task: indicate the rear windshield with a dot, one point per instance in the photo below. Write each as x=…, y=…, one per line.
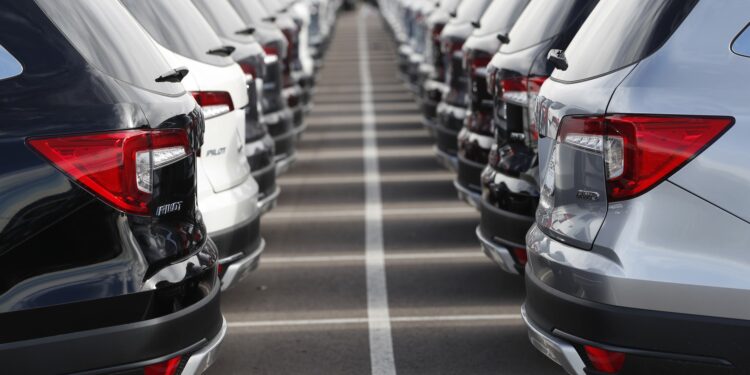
x=251, y=11
x=449, y=5
x=500, y=16
x=9, y=66
x=223, y=18
x=620, y=33
x=741, y=44
x=179, y=26
x=108, y=37
x=471, y=10
x=543, y=20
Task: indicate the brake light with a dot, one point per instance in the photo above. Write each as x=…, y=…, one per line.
x=437, y=29
x=168, y=367
x=605, y=361
x=641, y=151
x=271, y=49
x=521, y=256
x=517, y=90
x=117, y=166
x=249, y=70
x=291, y=38
x=214, y=103
x=476, y=62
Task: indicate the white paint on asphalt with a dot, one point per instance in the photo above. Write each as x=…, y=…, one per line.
x=434, y=213
x=402, y=319
x=358, y=179
x=326, y=259
x=382, y=361
x=353, y=153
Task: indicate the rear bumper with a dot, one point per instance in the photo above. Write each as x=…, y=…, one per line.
x=268, y=202
x=450, y=120
x=471, y=197
x=654, y=342
x=267, y=188
x=284, y=162
x=238, y=268
x=498, y=253
x=196, y=330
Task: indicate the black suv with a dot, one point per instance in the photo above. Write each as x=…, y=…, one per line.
x=105, y=265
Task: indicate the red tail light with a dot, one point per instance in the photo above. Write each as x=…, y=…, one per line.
x=214, y=103
x=168, y=367
x=641, y=151
x=291, y=38
x=521, y=256
x=605, y=361
x=271, y=49
x=249, y=70
x=436, y=31
x=117, y=166
x=476, y=61
x=517, y=89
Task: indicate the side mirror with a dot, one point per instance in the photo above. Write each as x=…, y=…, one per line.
x=557, y=58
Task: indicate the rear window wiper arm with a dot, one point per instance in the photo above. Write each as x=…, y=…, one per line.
x=222, y=51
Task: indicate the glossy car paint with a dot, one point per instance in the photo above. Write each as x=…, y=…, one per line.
x=259, y=146
x=451, y=112
x=81, y=270
x=227, y=193
x=676, y=252
x=475, y=137
x=276, y=113
x=510, y=181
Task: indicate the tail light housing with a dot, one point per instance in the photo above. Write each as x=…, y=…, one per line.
x=214, y=103
x=605, y=361
x=271, y=49
x=249, y=70
x=476, y=62
x=519, y=89
x=168, y=367
x=118, y=166
x=641, y=151
x=437, y=29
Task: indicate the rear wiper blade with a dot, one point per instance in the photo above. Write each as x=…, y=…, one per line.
x=175, y=75
x=476, y=24
x=269, y=19
x=222, y=51
x=453, y=14
x=558, y=59
x=248, y=31
x=503, y=38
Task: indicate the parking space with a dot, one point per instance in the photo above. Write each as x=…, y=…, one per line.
x=315, y=305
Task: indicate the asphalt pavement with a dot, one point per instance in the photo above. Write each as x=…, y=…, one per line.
x=368, y=218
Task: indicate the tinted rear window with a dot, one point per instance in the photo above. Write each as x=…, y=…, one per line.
x=179, y=26
x=500, y=16
x=619, y=33
x=223, y=18
x=741, y=44
x=108, y=37
x=9, y=66
x=471, y=10
x=543, y=20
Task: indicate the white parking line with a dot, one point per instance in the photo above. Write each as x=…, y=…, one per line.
x=403, y=319
x=358, y=178
x=401, y=213
x=382, y=361
x=468, y=254
x=353, y=153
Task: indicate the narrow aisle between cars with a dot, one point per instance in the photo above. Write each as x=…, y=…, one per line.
x=305, y=311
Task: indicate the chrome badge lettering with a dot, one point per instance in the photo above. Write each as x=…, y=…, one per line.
x=168, y=208
x=588, y=195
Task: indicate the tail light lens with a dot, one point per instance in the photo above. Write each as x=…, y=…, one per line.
x=169, y=367
x=118, y=166
x=517, y=90
x=641, y=151
x=605, y=361
x=271, y=49
x=291, y=38
x=249, y=70
x=476, y=62
x=437, y=29
x=214, y=103
x=521, y=256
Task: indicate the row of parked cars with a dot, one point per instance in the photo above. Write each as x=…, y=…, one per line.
x=605, y=144
x=141, y=141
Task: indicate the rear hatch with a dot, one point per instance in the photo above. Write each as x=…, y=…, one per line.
x=453, y=37
x=576, y=181
x=221, y=91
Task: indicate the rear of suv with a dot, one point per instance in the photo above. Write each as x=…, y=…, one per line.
x=451, y=112
x=638, y=259
x=475, y=137
x=101, y=239
x=510, y=180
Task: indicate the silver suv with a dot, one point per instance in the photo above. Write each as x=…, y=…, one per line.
x=638, y=262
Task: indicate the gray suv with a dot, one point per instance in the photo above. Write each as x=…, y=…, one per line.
x=638, y=262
